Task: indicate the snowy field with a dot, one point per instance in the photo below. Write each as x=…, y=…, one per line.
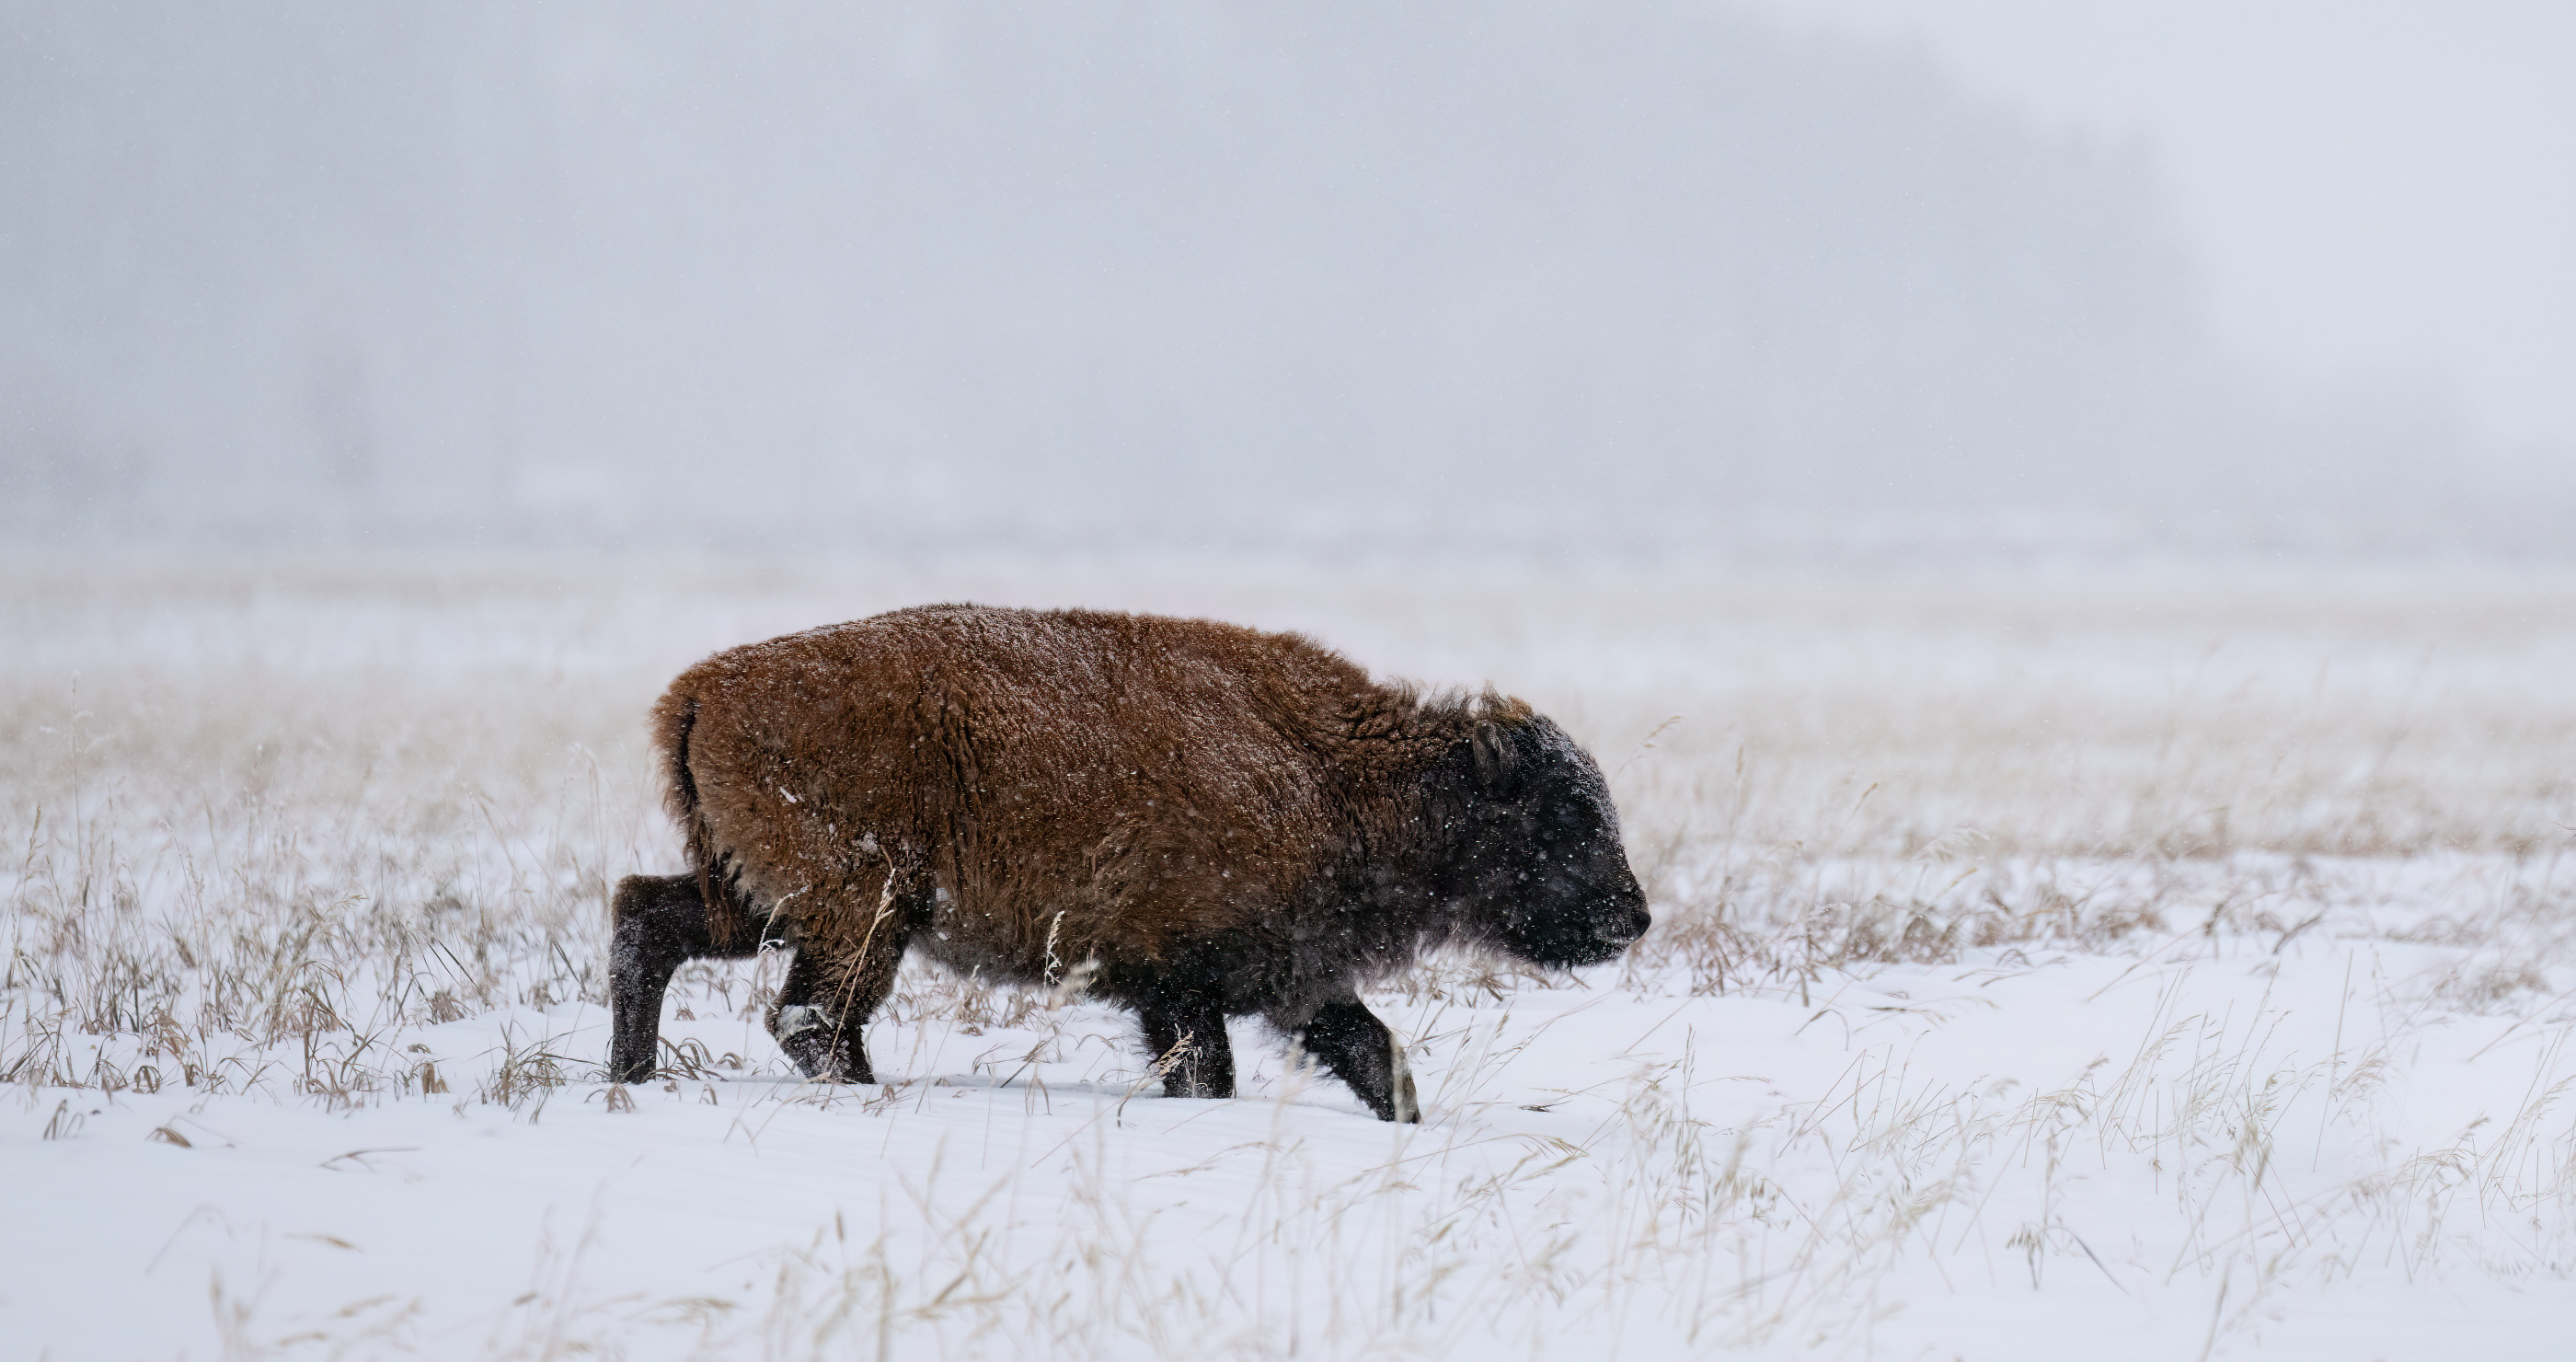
x=2110, y=964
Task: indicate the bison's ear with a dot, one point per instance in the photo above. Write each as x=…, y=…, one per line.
x=1497, y=762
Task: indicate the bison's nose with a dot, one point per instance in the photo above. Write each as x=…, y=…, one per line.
x=1621, y=929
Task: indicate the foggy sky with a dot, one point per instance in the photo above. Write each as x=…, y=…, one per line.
x=1434, y=273
x=2378, y=191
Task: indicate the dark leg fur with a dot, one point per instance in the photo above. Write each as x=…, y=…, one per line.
x=1349, y=1040
x=841, y=975
x=825, y=1045
x=660, y=921
x=1195, y=1023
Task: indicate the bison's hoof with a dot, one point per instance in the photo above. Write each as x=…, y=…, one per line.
x=1408, y=1106
x=812, y=1038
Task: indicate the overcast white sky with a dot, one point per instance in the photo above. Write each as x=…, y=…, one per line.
x=2380, y=191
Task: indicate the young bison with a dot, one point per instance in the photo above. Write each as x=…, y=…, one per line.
x=1209, y=820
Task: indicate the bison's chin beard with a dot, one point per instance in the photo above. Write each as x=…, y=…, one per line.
x=1556, y=958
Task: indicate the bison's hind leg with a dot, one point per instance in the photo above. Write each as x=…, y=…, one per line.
x=845, y=966
x=1349, y=1040
x=658, y=921
x=825, y=1044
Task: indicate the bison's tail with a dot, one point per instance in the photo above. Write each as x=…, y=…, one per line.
x=672, y=719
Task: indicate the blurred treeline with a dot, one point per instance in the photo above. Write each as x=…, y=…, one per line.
x=1446, y=272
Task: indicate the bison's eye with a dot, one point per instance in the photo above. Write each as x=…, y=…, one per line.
x=1569, y=819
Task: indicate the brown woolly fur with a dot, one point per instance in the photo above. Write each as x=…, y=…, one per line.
x=1197, y=819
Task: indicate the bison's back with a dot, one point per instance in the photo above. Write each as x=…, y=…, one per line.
x=1118, y=781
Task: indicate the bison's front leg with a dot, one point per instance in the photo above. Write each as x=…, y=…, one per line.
x=1357, y=1047
x=659, y=921
x=1186, y=1031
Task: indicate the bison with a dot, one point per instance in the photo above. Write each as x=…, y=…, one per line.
x=1196, y=820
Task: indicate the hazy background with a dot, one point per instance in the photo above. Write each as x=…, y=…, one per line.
x=1757, y=279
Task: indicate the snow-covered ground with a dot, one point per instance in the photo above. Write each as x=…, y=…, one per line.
x=2118, y=964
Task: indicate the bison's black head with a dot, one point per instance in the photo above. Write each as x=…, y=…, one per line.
x=1532, y=861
